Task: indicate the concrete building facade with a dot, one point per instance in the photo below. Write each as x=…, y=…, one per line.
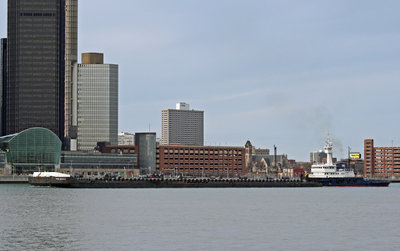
x=35, y=65
x=381, y=161
x=95, y=103
x=182, y=126
x=126, y=139
x=71, y=57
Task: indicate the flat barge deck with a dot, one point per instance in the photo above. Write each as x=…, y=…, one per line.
x=71, y=182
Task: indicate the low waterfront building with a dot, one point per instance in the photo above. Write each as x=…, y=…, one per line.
x=33, y=149
x=200, y=161
x=291, y=173
x=3, y=163
x=87, y=164
x=381, y=161
x=120, y=149
x=39, y=149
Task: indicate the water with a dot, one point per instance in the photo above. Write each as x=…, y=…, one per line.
x=37, y=218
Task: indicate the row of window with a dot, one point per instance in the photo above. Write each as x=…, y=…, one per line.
x=205, y=164
x=196, y=159
x=206, y=169
x=205, y=151
x=25, y=14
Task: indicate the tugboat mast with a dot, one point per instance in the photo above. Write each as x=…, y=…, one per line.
x=328, y=151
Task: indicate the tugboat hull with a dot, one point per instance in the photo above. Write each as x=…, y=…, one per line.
x=350, y=182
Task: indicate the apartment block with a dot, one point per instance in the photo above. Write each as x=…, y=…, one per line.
x=182, y=126
x=381, y=161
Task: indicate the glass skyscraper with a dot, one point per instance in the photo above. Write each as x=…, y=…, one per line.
x=95, y=102
x=35, y=66
x=3, y=80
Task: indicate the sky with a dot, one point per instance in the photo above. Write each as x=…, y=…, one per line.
x=275, y=72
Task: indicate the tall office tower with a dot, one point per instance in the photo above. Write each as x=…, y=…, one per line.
x=71, y=57
x=3, y=78
x=35, y=65
x=95, y=102
x=182, y=126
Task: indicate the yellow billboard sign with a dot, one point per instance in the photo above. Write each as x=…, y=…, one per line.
x=355, y=155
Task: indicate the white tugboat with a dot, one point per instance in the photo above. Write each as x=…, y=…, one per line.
x=328, y=174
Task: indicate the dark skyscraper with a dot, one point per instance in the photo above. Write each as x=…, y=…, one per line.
x=3, y=79
x=35, y=76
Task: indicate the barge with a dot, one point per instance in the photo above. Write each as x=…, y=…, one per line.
x=72, y=182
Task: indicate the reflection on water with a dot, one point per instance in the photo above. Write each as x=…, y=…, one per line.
x=199, y=219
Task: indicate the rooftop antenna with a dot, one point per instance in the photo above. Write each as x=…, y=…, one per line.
x=149, y=127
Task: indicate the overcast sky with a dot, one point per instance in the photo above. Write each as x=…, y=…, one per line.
x=274, y=72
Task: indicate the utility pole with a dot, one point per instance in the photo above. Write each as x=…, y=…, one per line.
x=348, y=157
x=275, y=158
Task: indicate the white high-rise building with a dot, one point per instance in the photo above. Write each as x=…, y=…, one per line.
x=182, y=126
x=95, y=102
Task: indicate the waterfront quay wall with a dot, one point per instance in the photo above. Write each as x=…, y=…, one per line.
x=13, y=179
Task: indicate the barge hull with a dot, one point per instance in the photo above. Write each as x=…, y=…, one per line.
x=164, y=183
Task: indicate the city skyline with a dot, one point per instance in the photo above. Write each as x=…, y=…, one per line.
x=274, y=72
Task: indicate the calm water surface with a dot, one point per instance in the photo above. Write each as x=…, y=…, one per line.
x=34, y=218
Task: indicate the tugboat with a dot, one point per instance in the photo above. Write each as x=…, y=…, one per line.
x=328, y=174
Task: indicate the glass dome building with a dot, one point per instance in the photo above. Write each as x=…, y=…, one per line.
x=31, y=150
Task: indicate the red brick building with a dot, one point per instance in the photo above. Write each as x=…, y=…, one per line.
x=381, y=161
x=202, y=160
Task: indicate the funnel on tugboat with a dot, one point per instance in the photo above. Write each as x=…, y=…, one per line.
x=327, y=174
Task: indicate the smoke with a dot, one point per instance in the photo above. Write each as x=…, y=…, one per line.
x=337, y=147
x=321, y=122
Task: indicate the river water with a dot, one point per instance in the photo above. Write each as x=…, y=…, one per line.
x=41, y=218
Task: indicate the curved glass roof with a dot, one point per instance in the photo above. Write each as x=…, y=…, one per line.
x=32, y=146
